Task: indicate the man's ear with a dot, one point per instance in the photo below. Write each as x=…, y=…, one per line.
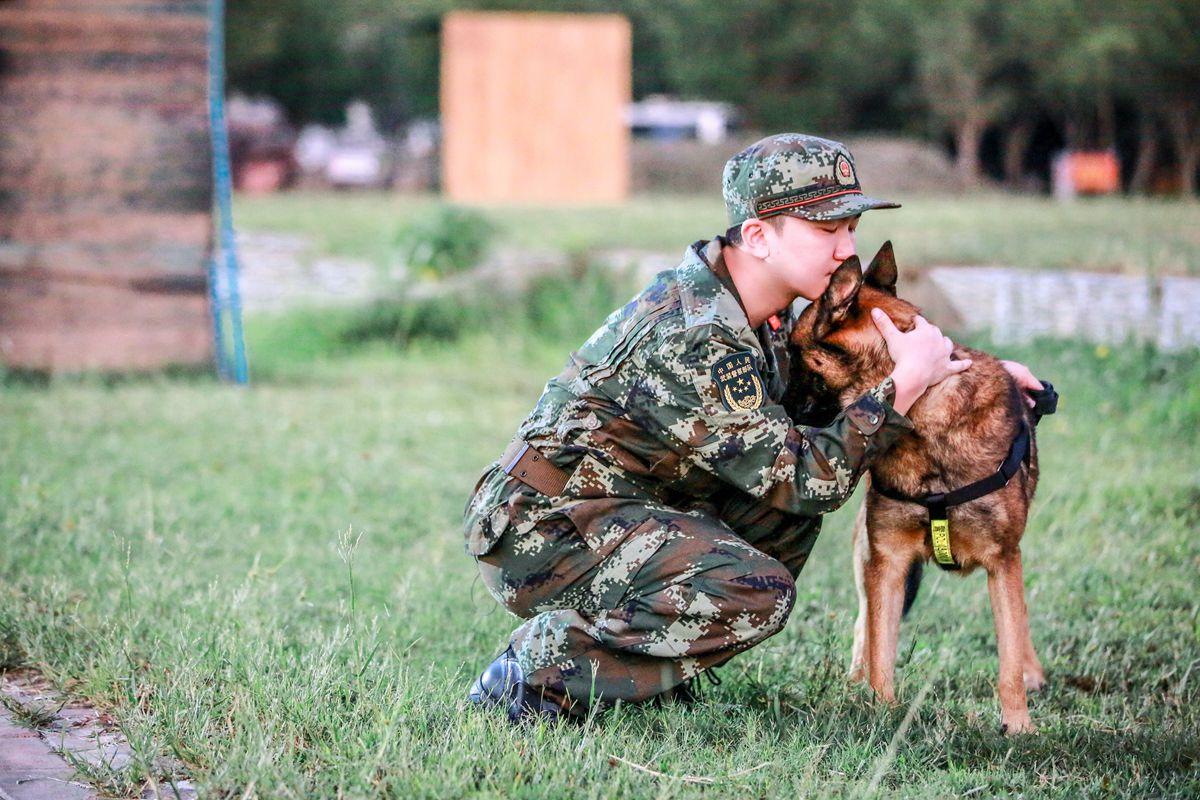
x=840, y=296
x=753, y=238
x=882, y=272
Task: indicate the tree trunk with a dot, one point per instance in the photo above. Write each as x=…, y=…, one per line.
x=1106, y=123
x=1015, y=145
x=1071, y=135
x=1188, y=162
x=967, y=134
x=1183, y=122
x=1147, y=155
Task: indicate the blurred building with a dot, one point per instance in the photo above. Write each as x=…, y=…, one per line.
x=665, y=118
x=354, y=156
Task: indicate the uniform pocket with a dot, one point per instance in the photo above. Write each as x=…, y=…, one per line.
x=486, y=517
x=485, y=530
x=594, y=524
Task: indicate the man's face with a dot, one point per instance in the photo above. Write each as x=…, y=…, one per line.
x=804, y=254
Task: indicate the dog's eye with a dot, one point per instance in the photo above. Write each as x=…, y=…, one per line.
x=835, y=350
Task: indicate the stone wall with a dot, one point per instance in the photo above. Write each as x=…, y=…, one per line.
x=1020, y=305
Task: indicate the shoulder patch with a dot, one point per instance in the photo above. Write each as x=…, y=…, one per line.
x=738, y=382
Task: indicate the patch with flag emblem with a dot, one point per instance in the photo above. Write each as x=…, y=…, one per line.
x=738, y=383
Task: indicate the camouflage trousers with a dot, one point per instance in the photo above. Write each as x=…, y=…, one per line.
x=681, y=591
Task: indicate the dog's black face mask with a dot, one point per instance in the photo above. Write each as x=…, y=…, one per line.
x=809, y=400
x=821, y=367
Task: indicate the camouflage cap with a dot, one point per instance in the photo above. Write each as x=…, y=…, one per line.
x=790, y=173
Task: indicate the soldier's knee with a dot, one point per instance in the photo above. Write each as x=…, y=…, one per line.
x=772, y=596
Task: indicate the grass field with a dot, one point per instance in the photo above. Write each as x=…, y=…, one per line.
x=1112, y=234
x=269, y=586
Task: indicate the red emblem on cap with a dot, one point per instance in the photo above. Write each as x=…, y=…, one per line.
x=843, y=170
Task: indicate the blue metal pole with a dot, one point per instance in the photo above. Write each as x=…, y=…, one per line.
x=223, y=266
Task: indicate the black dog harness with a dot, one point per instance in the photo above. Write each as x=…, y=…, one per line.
x=938, y=503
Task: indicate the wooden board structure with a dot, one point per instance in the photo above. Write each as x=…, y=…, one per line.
x=533, y=107
x=105, y=184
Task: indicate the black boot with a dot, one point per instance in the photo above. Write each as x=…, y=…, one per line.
x=503, y=684
x=690, y=691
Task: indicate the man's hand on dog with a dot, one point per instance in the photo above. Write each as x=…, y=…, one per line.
x=1026, y=382
x=921, y=355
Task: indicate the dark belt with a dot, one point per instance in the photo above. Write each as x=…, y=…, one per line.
x=524, y=462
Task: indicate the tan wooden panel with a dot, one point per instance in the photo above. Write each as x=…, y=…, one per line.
x=533, y=107
x=105, y=184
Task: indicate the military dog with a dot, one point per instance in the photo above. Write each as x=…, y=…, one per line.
x=964, y=427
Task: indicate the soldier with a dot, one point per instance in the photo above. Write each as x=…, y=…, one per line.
x=651, y=515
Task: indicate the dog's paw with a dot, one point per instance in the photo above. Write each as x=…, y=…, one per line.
x=885, y=696
x=1034, y=680
x=1017, y=724
x=858, y=674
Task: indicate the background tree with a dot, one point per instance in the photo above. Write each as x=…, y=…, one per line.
x=823, y=65
x=1032, y=31
x=956, y=68
x=285, y=50
x=1162, y=76
x=1085, y=43
x=315, y=56
x=960, y=64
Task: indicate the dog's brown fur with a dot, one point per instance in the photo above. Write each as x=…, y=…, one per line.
x=964, y=427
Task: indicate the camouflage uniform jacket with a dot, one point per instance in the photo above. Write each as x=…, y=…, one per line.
x=648, y=411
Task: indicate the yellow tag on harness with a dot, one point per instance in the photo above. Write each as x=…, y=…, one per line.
x=939, y=531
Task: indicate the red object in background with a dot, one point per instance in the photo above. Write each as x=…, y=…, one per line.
x=260, y=145
x=263, y=175
x=1095, y=172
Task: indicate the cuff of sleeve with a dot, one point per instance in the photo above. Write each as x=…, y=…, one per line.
x=873, y=411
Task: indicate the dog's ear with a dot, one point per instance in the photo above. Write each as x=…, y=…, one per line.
x=839, y=297
x=882, y=272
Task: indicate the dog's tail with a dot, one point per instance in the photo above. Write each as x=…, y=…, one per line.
x=912, y=584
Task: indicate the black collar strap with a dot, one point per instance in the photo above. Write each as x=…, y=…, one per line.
x=1045, y=402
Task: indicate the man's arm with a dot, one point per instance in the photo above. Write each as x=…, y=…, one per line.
x=794, y=468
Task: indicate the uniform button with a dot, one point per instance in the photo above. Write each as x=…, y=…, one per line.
x=522, y=473
x=535, y=458
x=871, y=418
